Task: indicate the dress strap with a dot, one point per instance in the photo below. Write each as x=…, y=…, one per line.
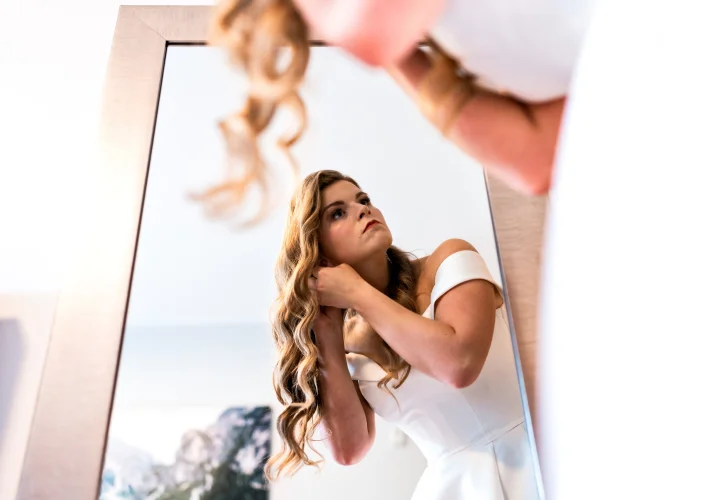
x=458, y=268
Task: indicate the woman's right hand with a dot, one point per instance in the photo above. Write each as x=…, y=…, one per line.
x=328, y=328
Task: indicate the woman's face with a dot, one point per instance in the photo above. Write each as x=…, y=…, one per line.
x=351, y=228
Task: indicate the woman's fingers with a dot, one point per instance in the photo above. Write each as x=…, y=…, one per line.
x=313, y=286
x=315, y=275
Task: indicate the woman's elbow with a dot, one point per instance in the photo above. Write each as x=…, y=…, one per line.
x=347, y=459
x=462, y=379
x=353, y=452
x=538, y=187
x=532, y=173
x=540, y=181
x=465, y=374
x=538, y=167
x=352, y=457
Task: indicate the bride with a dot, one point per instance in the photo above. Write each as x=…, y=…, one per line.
x=428, y=349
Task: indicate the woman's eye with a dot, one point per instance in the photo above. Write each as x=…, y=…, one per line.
x=337, y=214
x=365, y=201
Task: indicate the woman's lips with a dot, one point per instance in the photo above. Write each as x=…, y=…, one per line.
x=370, y=224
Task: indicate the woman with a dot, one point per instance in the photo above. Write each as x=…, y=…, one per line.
x=499, y=95
x=427, y=349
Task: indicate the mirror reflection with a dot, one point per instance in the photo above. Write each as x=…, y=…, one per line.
x=353, y=344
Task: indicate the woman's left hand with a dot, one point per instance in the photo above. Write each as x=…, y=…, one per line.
x=336, y=286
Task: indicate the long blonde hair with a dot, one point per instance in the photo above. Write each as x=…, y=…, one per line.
x=269, y=41
x=296, y=371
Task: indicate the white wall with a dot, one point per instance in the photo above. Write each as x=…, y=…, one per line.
x=25, y=321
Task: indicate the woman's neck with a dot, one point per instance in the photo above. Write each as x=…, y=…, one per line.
x=376, y=271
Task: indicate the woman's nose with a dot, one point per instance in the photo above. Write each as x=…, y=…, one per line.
x=364, y=210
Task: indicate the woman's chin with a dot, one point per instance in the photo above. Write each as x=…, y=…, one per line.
x=365, y=249
x=379, y=241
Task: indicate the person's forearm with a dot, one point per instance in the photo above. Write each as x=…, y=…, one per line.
x=344, y=417
x=430, y=346
x=515, y=140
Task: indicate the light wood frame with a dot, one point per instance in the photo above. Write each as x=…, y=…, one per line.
x=69, y=430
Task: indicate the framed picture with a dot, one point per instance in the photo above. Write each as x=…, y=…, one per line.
x=174, y=453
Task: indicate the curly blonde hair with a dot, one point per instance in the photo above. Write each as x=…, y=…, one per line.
x=269, y=41
x=296, y=371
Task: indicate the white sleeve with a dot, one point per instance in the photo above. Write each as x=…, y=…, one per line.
x=458, y=268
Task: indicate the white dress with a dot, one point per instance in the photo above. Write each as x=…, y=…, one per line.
x=474, y=439
x=628, y=284
x=527, y=48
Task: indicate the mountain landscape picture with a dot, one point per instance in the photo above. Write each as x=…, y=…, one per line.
x=147, y=459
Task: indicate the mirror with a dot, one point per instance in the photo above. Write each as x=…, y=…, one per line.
x=194, y=411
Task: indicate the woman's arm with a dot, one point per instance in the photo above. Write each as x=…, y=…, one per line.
x=451, y=348
x=348, y=421
x=377, y=32
x=514, y=140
